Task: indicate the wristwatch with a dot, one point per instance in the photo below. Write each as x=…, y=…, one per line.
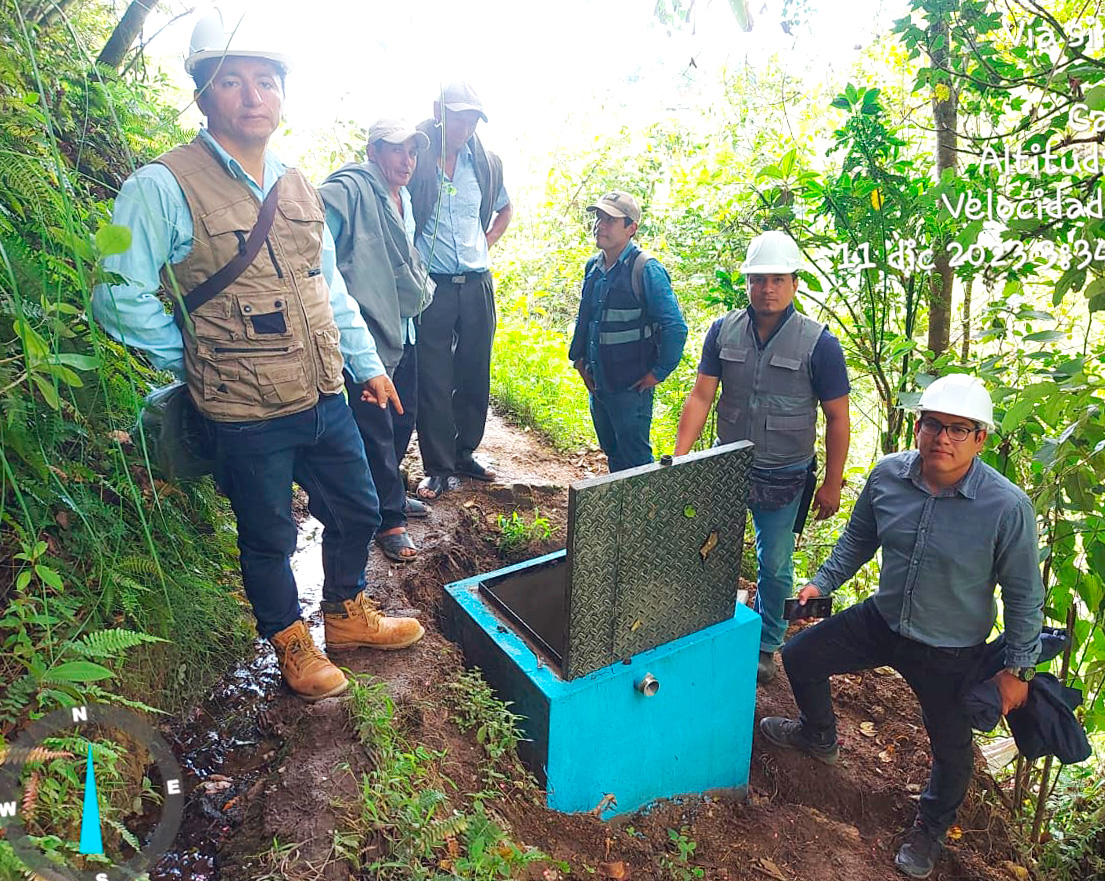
x=1024, y=674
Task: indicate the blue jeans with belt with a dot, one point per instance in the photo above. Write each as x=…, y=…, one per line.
x=774, y=564
x=255, y=464
x=623, y=420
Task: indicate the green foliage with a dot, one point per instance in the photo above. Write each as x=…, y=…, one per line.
x=517, y=532
x=404, y=802
x=497, y=728
x=677, y=860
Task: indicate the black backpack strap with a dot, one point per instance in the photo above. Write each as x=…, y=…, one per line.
x=226, y=276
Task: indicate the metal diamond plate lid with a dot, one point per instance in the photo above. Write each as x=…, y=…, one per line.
x=653, y=554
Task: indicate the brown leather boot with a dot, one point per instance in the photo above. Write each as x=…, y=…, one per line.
x=307, y=671
x=358, y=623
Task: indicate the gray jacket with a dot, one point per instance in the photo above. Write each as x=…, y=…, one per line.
x=383, y=272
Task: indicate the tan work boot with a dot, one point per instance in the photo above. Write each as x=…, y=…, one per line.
x=307, y=671
x=358, y=623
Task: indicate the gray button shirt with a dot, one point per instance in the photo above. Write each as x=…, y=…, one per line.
x=942, y=555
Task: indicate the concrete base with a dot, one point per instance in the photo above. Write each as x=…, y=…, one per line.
x=598, y=735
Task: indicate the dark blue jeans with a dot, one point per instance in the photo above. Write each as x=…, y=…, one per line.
x=255, y=464
x=859, y=639
x=622, y=423
x=386, y=435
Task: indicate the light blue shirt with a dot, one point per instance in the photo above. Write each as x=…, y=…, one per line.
x=152, y=205
x=453, y=240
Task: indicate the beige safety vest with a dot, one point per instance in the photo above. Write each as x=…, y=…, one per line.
x=266, y=346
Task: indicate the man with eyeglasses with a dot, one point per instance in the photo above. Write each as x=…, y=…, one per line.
x=775, y=367
x=950, y=528
x=629, y=333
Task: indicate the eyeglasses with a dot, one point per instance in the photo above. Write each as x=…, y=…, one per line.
x=957, y=433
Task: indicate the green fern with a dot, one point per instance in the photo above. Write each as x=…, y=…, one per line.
x=110, y=643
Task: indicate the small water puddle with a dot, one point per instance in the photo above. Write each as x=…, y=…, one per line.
x=227, y=746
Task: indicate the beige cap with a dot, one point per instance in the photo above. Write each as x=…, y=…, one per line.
x=460, y=96
x=618, y=204
x=397, y=131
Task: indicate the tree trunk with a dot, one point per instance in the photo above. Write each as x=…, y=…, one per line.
x=944, y=114
x=121, y=39
x=965, y=322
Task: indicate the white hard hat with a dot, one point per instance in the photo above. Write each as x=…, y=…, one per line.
x=958, y=394
x=771, y=253
x=216, y=37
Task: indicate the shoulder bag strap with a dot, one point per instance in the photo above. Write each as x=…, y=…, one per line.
x=226, y=276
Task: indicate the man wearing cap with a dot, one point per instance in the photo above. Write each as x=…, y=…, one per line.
x=629, y=333
x=950, y=528
x=263, y=350
x=368, y=211
x=461, y=209
x=775, y=366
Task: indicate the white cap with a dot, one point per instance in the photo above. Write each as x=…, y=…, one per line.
x=216, y=37
x=958, y=394
x=772, y=253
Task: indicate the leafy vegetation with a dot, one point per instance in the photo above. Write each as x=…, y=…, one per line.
x=410, y=823
x=517, y=532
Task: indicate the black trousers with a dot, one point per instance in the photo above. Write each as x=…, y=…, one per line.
x=859, y=639
x=386, y=436
x=455, y=333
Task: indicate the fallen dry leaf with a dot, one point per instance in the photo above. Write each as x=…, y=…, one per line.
x=551, y=875
x=120, y=436
x=607, y=801
x=867, y=729
x=469, y=503
x=773, y=870
x=618, y=870
x=955, y=833
x=1018, y=872
x=61, y=518
x=886, y=671
x=452, y=846
x=887, y=755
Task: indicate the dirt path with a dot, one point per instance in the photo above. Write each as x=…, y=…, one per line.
x=266, y=766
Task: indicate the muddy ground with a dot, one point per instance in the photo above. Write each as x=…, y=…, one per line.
x=265, y=766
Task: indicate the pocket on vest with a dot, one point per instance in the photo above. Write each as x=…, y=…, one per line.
x=264, y=315
x=330, y=356
x=789, y=421
x=251, y=382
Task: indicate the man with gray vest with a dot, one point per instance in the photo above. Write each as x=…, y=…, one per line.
x=461, y=209
x=775, y=366
x=368, y=210
x=629, y=333
x=263, y=349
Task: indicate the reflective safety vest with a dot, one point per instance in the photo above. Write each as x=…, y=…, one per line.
x=628, y=338
x=267, y=345
x=767, y=393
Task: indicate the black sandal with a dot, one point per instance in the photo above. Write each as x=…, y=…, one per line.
x=393, y=544
x=476, y=470
x=416, y=509
x=433, y=486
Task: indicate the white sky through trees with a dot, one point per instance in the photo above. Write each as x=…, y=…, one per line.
x=549, y=73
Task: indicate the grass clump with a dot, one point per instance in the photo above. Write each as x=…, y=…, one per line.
x=410, y=823
x=517, y=532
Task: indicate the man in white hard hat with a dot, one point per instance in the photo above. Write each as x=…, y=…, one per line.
x=261, y=343
x=461, y=209
x=950, y=528
x=775, y=367
x=629, y=333
x=368, y=209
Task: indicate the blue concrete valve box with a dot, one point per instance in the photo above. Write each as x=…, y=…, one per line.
x=627, y=654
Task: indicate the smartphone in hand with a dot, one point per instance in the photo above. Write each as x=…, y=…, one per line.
x=815, y=607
